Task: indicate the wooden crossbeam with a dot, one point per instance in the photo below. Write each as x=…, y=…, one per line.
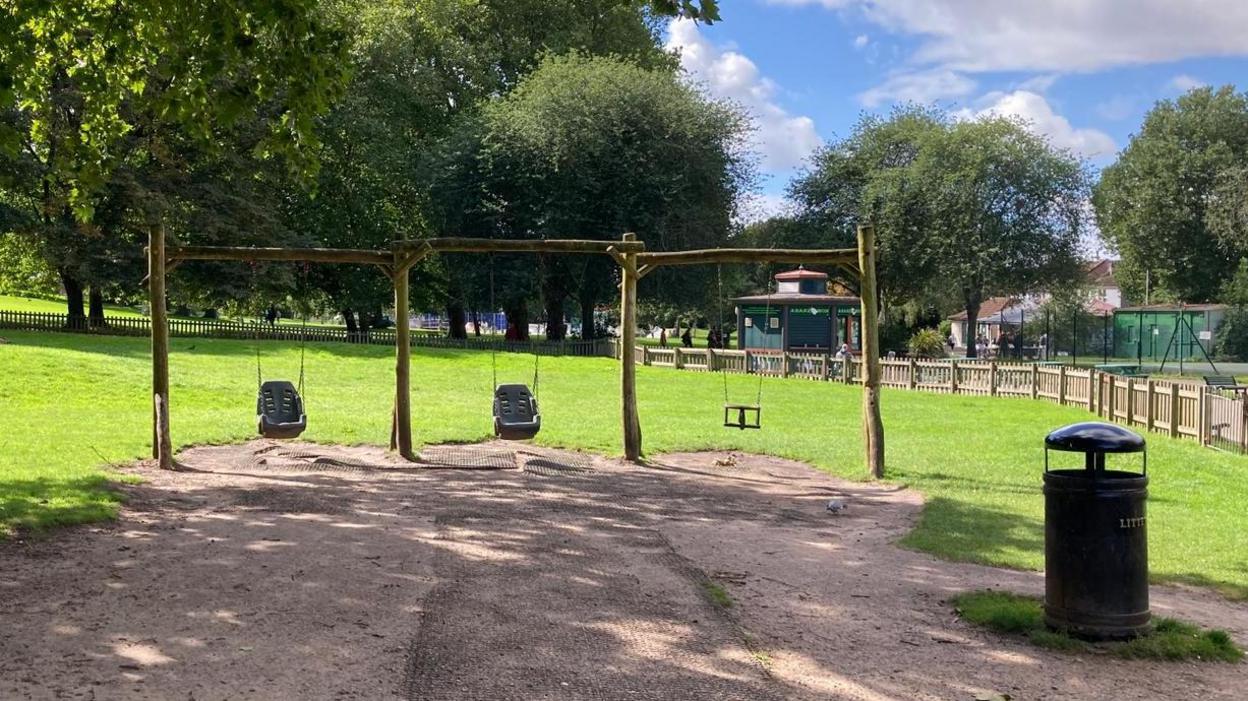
x=479, y=245
x=311, y=255
x=834, y=256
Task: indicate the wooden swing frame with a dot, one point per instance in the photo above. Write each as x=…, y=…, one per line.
x=629, y=253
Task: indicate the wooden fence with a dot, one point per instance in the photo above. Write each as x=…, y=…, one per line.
x=252, y=331
x=1181, y=409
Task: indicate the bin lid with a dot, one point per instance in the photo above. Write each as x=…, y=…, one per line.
x=1094, y=437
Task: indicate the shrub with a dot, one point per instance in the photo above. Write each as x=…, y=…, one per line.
x=1232, y=336
x=927, y=343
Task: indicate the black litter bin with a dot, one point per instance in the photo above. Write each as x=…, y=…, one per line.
x=1095, y=536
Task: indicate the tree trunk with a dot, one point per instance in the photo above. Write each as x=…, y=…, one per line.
x=476, y=323
x=73, y=300
x=353, y=329
x=458, y=320
x=518, y=319
x=973, y=300
x=556, y=330
x=95, y=309
x=588, y=330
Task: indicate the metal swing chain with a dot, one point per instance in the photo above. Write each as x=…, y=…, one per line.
x=758, y=399
x=719, y=275
x=303, y=334
x=494, y=315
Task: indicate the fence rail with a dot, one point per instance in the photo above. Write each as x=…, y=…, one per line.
x=1216, y=418
x=202, y=328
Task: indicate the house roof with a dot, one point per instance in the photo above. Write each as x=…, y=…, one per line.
x=1100, y=273
x=993, y=306
x=1175, y=308
x=793, y=298
x=801, y=274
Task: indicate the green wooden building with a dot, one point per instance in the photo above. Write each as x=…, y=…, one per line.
x=1146, y=332
x=800, y=316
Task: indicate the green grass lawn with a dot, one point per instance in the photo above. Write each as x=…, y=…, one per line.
x=70, y=403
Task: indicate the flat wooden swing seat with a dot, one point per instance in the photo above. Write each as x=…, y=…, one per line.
x=746, y=416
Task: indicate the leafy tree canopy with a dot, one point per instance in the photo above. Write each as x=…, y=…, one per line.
x=1172, y=205
x=961, y=208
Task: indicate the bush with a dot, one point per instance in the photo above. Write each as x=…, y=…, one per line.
x=927, y=343
x=1232, y=337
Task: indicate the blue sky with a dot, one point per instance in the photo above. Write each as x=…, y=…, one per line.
x=1082, y=72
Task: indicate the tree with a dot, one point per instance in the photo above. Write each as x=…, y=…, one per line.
x=965, y=208
x=97, y=95
x=591, y=147
x=1172, y=203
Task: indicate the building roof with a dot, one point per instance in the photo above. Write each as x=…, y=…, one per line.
x=794, y=298
x=801, y=274
x=993, y=306
x=1175, y=308
x=1100, y=273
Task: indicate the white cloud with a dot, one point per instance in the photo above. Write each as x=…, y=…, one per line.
x=1184, y=82
x=923, y=87
x=1040, y=116
x=1064, y=36
x=759, y=206
x=861, y=41
x=784, y=140
x=1116, y=108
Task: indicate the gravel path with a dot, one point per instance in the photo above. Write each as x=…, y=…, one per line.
x=277, y=571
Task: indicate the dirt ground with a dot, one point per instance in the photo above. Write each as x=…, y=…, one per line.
x=279, y=571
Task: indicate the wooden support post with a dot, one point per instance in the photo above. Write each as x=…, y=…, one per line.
x=678, y=360
x=953, y=377
x=162, y=443
x=645, y=355
x=402, y=366
x=827, y=366
x=784, y=363
x=914, y=374
x=1092, y=391
x=1061, y=385
x=992, y=378
x=1175, y=413
x=1150, y=405
x=1112, y=414
x=1035, y=380
x=873, y=424
x=628, y=367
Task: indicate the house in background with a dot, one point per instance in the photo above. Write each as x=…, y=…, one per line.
x=800, y=316
x=998, y=314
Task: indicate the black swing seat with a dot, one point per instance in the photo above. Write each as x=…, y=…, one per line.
x=516, y=417
x=742, y=416
x=279, y=410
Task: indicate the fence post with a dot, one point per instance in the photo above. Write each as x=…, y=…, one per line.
x=677, y=359
x=1113, y=398
x=784, y=363
x=992, y=378
x=1061, y=385
x=745, y=368
x=1150, y=406
x=645, y=355
x=913, y=382
x=1035, y=381
x=710, y=360
x=1092, y=391
x=827, y=366
x=1130, y=400
x=1202, y=407
x=1175, y=412
x=953, y=377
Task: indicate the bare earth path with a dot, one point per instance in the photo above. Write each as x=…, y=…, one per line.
x=271, y=571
